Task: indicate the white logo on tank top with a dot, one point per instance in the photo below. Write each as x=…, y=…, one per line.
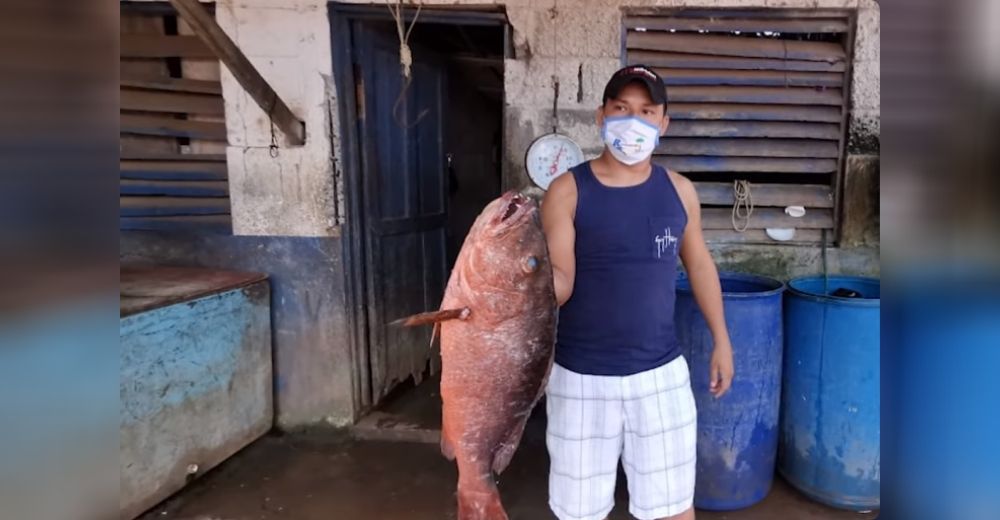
x=664, y=241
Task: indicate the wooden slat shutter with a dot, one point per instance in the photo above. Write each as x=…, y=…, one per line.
x=172, y=163
x=759, y=96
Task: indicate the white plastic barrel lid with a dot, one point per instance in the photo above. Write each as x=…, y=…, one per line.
x=780, y=234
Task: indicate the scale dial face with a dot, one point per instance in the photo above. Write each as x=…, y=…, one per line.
x=549, y=156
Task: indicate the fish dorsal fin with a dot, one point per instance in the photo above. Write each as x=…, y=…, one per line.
x=435, y=317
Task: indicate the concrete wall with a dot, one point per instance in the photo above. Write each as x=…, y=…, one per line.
x=860, y=224
x=293, y=194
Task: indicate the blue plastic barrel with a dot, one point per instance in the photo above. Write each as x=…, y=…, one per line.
x=830, y=427
x=738, y=433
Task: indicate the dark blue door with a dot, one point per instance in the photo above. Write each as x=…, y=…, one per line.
x=405, y=201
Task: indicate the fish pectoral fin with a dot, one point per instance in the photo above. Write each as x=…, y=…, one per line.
x=426, y=318
x=434, y=333
x=503, y=457
x=505, y=452
x=446, y=448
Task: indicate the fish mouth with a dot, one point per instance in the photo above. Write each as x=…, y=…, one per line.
x=513, y=207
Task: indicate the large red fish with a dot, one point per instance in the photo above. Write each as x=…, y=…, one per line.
x=497, y=320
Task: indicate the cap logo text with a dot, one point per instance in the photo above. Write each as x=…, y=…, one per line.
x=644, y=71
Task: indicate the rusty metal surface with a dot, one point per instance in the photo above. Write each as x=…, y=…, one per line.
x=145, y=287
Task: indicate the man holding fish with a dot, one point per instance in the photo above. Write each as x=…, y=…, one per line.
x=616, y=227
x=605, y=250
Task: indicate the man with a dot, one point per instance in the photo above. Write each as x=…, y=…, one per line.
x=620, y=388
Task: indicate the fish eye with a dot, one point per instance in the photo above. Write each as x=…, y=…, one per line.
x=529, y=264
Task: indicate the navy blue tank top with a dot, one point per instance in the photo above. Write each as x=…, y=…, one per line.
x=620, y=318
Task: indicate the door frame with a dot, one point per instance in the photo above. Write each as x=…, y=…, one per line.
x=353, y=239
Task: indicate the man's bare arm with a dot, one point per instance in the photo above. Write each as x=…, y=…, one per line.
x=698, y=261
x=705, y=285
x=558, y=209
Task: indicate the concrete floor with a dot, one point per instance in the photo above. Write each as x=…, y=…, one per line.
x=332, y=476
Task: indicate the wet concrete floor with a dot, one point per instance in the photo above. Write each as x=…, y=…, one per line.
x=327, y=475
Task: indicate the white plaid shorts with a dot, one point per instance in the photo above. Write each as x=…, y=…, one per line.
x=648, y=419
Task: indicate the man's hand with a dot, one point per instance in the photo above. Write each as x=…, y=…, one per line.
x=720, y=374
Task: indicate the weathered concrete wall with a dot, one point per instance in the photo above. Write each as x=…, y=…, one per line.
x=294, y=193
x=195, y=389
x=313, y=360
x=785, y=262
x=866, y=82
x=860, y=217
x=860, y=224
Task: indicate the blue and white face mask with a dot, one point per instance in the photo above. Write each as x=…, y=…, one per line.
x=630, y=139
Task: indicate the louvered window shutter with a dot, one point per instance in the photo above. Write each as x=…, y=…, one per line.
x=172, y=168
x=758, y=96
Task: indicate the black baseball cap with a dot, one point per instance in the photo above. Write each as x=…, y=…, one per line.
x=641, y=73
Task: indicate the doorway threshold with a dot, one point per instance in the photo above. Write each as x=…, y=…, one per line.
x=411, y=413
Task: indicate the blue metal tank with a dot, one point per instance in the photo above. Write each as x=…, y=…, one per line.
x=737, y=434
x=830, y=427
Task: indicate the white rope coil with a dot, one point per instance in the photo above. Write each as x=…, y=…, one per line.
x=742, y=205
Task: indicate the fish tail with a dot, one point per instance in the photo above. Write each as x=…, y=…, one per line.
x=480, y=502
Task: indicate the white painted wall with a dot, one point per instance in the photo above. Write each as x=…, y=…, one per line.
x=292, y=194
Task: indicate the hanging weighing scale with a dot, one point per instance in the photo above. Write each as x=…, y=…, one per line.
x=549, y=156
